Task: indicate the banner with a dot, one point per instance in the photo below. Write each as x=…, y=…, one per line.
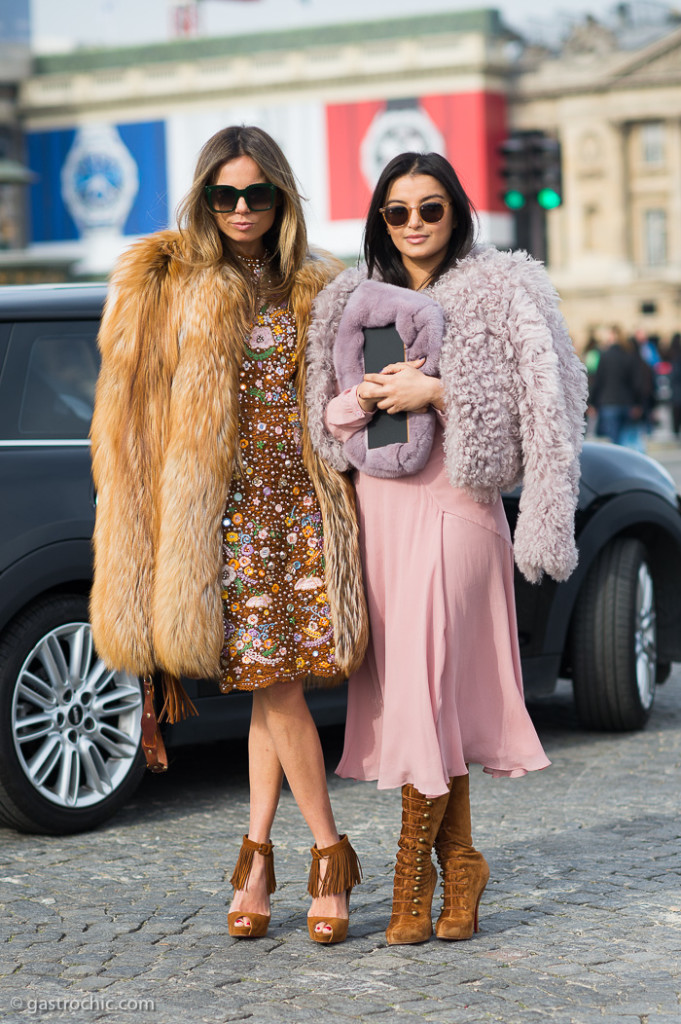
x=97, y=177
x=362, y=138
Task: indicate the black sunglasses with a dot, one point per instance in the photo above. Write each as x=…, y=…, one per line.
x=223, y=198
x=397, y=214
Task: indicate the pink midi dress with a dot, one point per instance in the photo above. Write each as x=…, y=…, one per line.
x=441, y=683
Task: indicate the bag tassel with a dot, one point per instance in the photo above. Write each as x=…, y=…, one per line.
x=343, y=870
x=176, y=706
x=242, y=869
x=176, y=702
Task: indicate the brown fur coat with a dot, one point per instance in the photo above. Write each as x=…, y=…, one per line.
x=164, y=445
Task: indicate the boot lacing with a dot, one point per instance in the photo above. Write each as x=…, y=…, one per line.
x=456, y=893
x=414, y=867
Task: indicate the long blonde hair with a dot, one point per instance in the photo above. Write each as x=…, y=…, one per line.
x=286, y=241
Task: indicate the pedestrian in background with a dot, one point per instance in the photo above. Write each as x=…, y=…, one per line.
x=441, y=684
x=636, y=431
x=617, y=392
x=224, y=547
x=591, y=356
x=674, y=357
x=648, y=345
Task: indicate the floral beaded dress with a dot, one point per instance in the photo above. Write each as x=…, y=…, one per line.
x=275, y=607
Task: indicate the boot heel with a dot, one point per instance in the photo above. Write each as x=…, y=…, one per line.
x=476, y=926
x=465, y=877
x=465, y=872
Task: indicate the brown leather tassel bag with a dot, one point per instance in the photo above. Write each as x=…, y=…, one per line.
x=176, y=706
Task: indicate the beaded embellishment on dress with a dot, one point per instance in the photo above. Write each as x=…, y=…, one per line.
x=276, y=611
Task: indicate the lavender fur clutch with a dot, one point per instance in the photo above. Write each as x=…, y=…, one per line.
x=420, y=323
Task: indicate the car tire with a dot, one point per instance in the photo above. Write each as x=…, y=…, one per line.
x=70, y=751
x=614, y=640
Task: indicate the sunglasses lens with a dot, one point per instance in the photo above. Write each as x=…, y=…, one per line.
x=396, y=216
x=259, y=197
x=431, y=213
x=222, y=198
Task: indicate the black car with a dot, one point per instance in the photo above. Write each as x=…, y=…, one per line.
x=70, y=728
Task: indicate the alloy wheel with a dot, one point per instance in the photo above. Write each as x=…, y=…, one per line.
x=75, y=723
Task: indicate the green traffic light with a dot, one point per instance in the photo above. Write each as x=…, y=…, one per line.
x=514, y=199
x=548, y=198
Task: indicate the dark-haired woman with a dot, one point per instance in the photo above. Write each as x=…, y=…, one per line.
x=224, y=547
x=441, y=684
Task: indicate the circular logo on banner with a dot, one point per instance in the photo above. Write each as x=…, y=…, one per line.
x=397, y=131
x=99, y=179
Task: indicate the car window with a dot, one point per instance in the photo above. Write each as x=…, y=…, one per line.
x=4, y=337
x=59, y=391
x=49, y=381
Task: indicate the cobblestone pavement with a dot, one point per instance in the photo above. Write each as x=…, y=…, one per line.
x=581, y=921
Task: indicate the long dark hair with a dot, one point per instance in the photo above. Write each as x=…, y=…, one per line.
x=380, y=252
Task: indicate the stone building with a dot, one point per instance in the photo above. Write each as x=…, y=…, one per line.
x=615, y=244
x=14, y=176
x=114, y=134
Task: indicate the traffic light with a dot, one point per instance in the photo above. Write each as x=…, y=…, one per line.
x=531, y=167
x=548, y=173
x=515, y=171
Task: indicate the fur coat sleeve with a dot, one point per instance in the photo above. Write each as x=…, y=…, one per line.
x=516, y=396
x=551, y=415
x=129, y=430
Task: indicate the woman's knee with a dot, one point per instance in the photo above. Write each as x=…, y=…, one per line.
x=281, y=698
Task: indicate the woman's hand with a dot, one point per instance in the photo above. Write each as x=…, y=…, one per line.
x=400, y=387
x=366, y=403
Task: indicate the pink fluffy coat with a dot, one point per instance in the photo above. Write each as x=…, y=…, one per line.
x=515, y=393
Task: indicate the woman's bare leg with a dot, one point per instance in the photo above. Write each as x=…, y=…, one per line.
x=299, y=749
x=265, y=777
x=295, y=741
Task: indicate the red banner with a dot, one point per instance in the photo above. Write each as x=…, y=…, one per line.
x=362, y=137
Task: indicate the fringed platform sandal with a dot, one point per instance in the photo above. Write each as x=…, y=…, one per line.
x=343, y=872
x=259, y=923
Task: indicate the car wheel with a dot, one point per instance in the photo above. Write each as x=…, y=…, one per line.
x=614, y=640
x=70, y=730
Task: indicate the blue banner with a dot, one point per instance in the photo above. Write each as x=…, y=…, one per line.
x=98, y=176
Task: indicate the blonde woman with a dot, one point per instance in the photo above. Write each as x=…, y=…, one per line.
x=224, y=547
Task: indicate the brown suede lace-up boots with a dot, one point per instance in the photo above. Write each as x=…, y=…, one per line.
x=464, y=870
x=415, y=873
